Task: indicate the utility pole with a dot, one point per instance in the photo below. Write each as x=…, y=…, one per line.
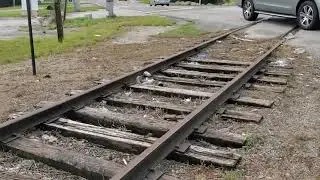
x=34, y=70
x=76, y=5
x=109, y=8
x=65, y=10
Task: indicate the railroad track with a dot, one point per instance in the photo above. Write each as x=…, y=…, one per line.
x=154, y=113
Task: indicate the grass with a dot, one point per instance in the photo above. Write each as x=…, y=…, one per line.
x=10, y=8
x=45, y=12
x=91, y=32
x=145, y=1
x=122, y=21
x=185, y=30
x=230, y=2
x=16, y=11
x=232, y=175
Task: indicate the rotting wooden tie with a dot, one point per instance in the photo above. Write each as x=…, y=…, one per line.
x=60, y=158
x=126, y=141
x=252, y=101
x=220, y=138
x=276, y=73
x=280, y=66
x=267, y=79
x=277, y=89
x=119, y=140
x=219, y=61
x=195, y=82
x=106, y=118
x=199, y=74
x=208, y=156
x=242, y=115
x=210, y=68
x=152, y=104
x=171, y=91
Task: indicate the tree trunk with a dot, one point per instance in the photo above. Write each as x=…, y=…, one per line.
x=59, y=23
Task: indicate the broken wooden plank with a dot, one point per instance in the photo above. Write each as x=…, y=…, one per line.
x=134, y=143
x=107, y=118
x=141, y=125
x=195, y=82
x=278, y=89
x=242, y=115
x=172, y=91
x=220, y=138
x=187, y=73
x=252, y=101
x=211, y=68
x=108, y=137
x=267, y=79
x=276, y=73
x=214, y=152
x=169, y=107
x=197, y=154
x=60, y=158
x=219, y=61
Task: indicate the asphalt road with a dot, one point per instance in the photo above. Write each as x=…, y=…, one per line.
x=209, y=18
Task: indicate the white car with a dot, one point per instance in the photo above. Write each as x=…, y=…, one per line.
x=159, y=2
x=305, y=11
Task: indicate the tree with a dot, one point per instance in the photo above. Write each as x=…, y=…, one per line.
x=58, y=17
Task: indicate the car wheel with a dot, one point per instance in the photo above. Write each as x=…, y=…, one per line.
x=168, y=4
x=308, y=15
x=248, y=10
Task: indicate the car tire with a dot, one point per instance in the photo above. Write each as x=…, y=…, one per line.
x=308, y=15
x=168, y=4
x=248, y=10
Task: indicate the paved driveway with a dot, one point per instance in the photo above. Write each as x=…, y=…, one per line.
x=210, y=18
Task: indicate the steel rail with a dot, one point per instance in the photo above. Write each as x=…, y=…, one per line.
x=138, y=168
x=9, y=128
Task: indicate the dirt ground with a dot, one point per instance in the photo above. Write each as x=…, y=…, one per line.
x=58, y=74
x=285, y=145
